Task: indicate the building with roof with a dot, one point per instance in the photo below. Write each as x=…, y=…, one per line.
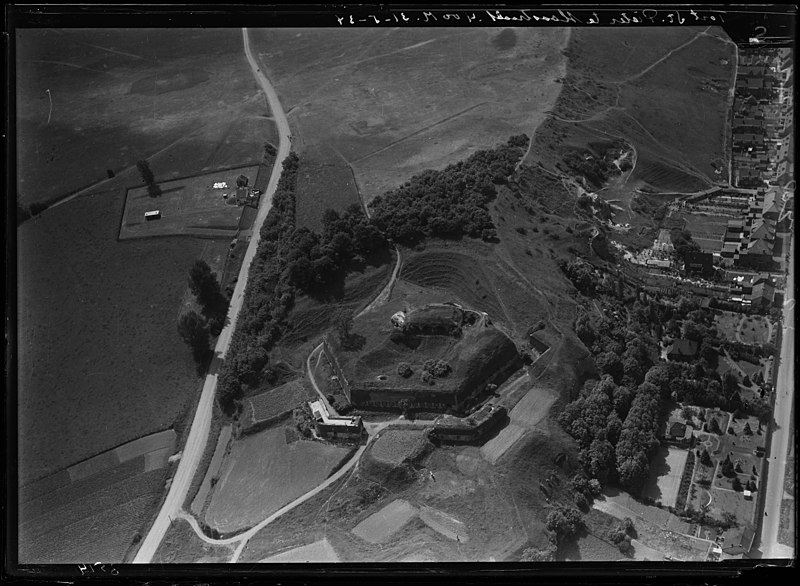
x=471, y=429
x=682, y=350
x=335, y=427
x=678, y=434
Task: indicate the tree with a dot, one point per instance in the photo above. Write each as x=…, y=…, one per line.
x=727, y=467
x=736, y=484
x=705, y=458
x=565, y=521
x=194, y=331
x=205, y=286
x=147, y=176
x=687, y=413
x=404, y=369
x=713, y=426
x=533, y=554
x=342, y=322
x=747, y=430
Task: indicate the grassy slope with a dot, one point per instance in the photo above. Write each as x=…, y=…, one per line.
x=674, y=114
x=362, y=90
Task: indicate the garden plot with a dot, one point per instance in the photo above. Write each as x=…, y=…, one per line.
x=380, y=526
x=666, y=470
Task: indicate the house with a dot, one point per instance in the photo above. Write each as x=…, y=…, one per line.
x=435, y=319
x=682, y=350
x=241, y=195
x=242, y=181
x=152, y=215
x=739, y=540
x=335, y=427
x=678, y=434
x=763, y=295
x=699, y=263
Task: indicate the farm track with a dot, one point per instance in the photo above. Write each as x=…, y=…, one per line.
x=198, y=435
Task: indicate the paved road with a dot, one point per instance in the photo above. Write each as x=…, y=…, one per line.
x=779, y=447
x=198, y=436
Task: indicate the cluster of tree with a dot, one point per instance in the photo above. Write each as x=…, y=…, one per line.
x=540, y=554
x=153, y=190
x=581, y=274
x=196, y=329
x=622, y=534
x=449, y=203
x=683, y=243
x=564, y=521
x=304, y=420
x=595, y=169
x=268, y=298
x=314, y=261
x=751, y=354
x=435, y=369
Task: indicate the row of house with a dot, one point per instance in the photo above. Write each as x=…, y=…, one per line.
x=762, y=116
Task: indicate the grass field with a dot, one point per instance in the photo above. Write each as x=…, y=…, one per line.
x=100, y=359
x=95, y=79
x=666, y=470
x=394, y=102
x=324, y=181
x=188, y=206
x=382, y=524
x=395, y=446
x=319, y=551
x=276, y=401
x=262, y=473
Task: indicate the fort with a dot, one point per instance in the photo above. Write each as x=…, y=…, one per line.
x=439, y=357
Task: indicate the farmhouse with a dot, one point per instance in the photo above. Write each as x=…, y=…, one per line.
x=335, y=427
x=682, y=350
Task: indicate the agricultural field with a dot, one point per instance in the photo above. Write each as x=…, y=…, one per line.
x=274, y=402
x=393, y=102
x=189, y=206
x=100, y=359
x=181, y=545
x=138, y=94
x=97, y=517
x=666, y=470
x=324, y=181
x=262, y=473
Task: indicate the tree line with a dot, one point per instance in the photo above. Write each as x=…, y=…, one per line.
x=450, y=203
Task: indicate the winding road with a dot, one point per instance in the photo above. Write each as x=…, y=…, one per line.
x=198, y=435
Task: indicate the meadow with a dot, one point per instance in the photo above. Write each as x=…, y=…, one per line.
x=104, y=118
x=393, y=102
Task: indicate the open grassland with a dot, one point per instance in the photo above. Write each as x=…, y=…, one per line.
x=94, y=518
x=181, y=545
x=100, y=359
x=189, y=206
x=664, y=91
x=119, y=96
x=262, y=473
x=394, y=102
x=324, y=181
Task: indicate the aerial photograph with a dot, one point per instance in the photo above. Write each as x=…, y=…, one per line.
x=402, y=293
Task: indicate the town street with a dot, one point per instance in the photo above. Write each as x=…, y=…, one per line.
x=198, y=436
x=779, y=448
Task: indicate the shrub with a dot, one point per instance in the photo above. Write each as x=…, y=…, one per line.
x=404, y=369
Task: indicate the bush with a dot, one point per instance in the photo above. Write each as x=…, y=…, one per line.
x=404, y=369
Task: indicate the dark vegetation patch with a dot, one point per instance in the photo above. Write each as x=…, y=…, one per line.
x=450, y=203
x=504, y=40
